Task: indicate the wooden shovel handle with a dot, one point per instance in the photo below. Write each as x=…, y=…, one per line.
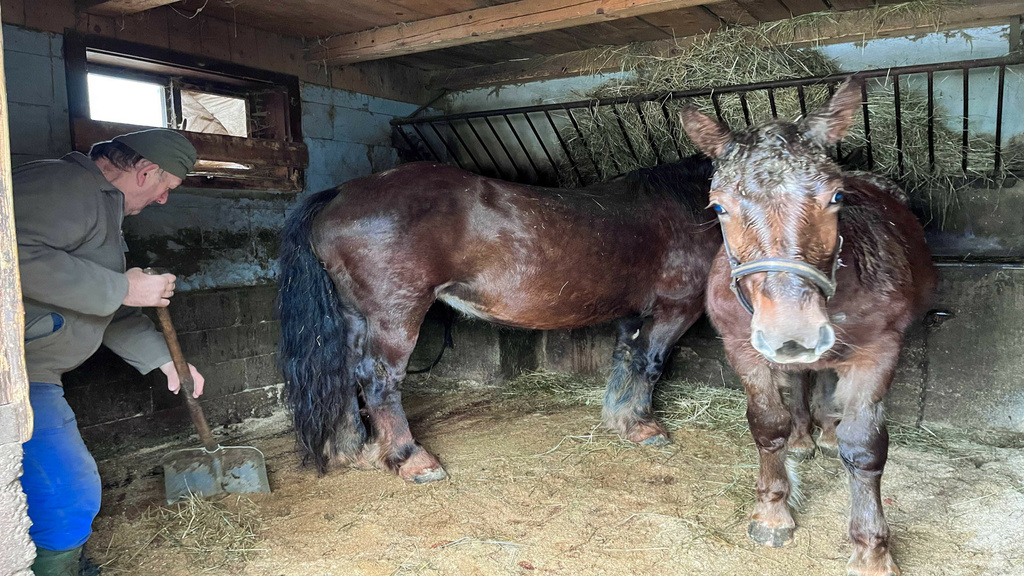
x=184, y=375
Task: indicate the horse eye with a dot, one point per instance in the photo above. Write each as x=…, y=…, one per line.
x=718, y=209
x=836, y=198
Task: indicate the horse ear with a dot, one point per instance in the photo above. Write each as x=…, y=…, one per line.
x=831, y=123
x=710, y=136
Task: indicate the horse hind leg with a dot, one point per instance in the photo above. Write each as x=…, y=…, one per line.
x=392, y=445
x=800, y=444
x=627, y=399
x=637, y=364
x=825, y=412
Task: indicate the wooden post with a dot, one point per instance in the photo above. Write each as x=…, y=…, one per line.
x=16, y=549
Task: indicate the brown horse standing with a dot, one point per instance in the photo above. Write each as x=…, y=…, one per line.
x=821, y=271
x=362, y=263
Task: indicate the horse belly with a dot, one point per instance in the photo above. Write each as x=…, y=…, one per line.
x=524, y=306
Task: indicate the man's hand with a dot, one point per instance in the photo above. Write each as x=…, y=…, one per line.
x=148, y=290
x=173, y=384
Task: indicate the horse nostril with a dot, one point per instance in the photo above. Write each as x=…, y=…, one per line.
x=826, y=339
x=760, y=343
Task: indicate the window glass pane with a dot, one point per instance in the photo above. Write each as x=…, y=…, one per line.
x=214, y=114
x=113, y=99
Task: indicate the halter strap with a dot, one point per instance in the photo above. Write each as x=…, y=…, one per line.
x=825, y=283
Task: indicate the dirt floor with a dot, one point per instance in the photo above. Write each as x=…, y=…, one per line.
x=537, y=488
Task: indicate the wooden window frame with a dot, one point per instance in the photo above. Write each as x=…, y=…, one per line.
x=276, y=154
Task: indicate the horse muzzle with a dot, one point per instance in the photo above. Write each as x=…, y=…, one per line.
x=801, y=346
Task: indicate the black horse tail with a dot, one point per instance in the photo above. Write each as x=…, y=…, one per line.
x=316, y=352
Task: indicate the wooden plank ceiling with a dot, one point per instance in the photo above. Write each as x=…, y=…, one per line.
x=437, y=36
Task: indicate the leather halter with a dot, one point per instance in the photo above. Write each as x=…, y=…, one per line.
x=825, y=283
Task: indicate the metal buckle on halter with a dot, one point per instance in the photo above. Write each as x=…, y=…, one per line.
x=825, y=283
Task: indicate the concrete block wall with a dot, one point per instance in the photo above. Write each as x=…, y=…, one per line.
x=230, y=335
x=36, y=94
x=965, y=372
x=348, y=134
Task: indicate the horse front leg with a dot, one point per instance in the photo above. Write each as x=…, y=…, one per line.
x=771, y=523
x=637, y=364
x=800, y=443
x=863, y=448
x=392, y=444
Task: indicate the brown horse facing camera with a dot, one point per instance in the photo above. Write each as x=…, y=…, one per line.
x=821, y=271
x=361, y=264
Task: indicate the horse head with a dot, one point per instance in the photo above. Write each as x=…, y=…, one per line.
x=777, y=194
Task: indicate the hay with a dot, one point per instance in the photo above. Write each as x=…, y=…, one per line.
x=626, y=137
x=212, y=534
x=680, y=404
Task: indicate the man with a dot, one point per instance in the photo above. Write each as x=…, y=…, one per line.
x=78, y=295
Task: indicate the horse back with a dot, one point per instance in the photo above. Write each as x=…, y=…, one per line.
x=522, y=255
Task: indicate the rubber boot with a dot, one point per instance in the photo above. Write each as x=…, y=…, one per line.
x=54, y=563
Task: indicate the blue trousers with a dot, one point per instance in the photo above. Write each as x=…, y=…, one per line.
x=60, y=480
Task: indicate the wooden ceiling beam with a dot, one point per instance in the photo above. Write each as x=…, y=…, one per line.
x=123, y=7
x=481, y=25
x=842, y=27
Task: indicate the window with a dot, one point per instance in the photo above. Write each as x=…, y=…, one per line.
x=113, y=99
x=244, y=122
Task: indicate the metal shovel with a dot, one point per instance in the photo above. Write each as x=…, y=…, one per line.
x=213, y=469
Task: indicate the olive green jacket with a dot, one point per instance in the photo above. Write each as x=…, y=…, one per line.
x=71, y=255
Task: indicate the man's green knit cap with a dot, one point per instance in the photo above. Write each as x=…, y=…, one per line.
x=168, y=149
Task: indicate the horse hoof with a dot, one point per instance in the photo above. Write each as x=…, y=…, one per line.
x=872, y=563
x=659, y=440
x=430, y=476
x=800, y=454
x=648, y=433
x=768, y=536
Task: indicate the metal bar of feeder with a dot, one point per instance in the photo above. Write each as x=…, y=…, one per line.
x=501, y=143
x=899, y=125
x=454, y=153
x=469, y=150
x=529, y=157
x=487, y=149
x=423, y=138
x=867, y=124
x=964, y=137
x=536, y=134
x=565, y=148
x=622, y=128
x=931, y=121
x=999, y=122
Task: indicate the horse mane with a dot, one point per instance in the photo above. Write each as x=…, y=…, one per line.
x=687, y=181
x=880, y=257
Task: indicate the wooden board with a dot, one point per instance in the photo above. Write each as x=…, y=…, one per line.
x=731, y=12
x=16, y=415
x=122, y=7
x=799, y=7
x=209, y=146
x=491, y=23
x=688, y=22
x=842, y=27
x=765, y=10
x=850, y=4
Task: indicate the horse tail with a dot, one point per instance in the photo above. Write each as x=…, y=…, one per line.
x=316, y=353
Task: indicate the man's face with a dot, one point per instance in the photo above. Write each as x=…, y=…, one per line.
x=150, y=185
